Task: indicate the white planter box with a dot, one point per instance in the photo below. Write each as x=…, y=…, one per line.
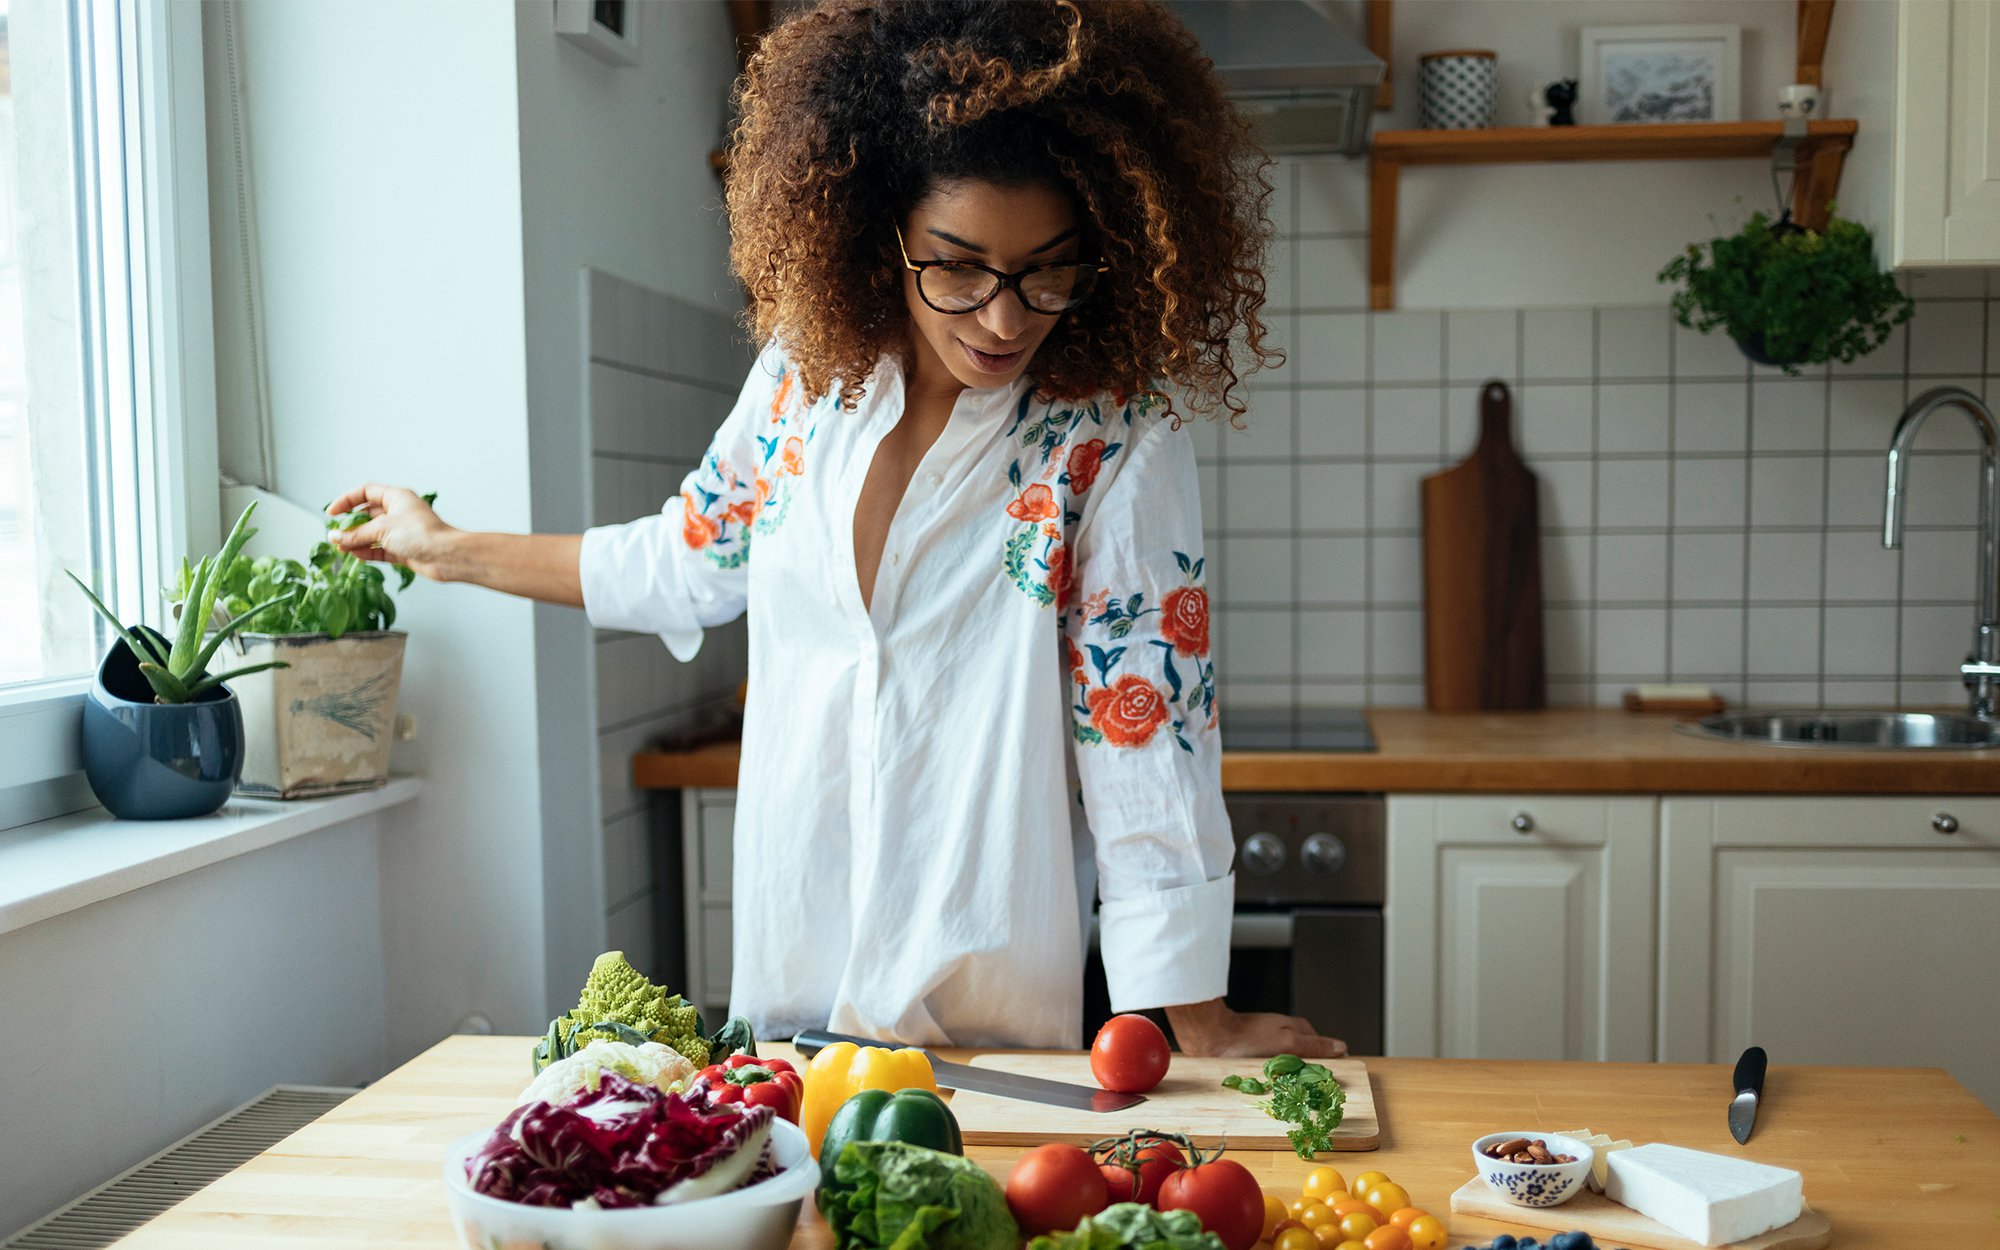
x=322, y=725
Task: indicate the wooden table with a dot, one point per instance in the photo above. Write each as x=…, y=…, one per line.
x=1901, y=1157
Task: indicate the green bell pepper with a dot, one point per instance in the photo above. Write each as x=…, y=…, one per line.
x=916, y=1116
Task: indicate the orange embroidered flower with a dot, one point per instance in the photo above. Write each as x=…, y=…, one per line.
x=1051, y=530
x=763, y=493
x=1184, y=620
x=1084, y=462
x=1127, y=712
x=1060, y=583
x=792, y=459
x=1095, y=605
x=743, y=512
x=697, y=530
x=1037, y=503
x=784, y=393
x=1073, y=660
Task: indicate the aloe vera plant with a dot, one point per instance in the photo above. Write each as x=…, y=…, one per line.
x=178, y=670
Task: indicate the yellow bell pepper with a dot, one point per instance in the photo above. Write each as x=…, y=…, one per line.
x=843, y=1070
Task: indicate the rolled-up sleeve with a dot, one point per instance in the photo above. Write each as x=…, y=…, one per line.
x=687, y=567
x=1148, y=756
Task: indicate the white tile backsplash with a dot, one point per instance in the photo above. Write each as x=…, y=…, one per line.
x=1557, y=343
x=1482, y=345
x=1333, y=496
x=1333, y=273
x=1632, y=418
x=1553, y=419
x=1632, y=342
x=1787, y=490
x=1708, y=567
x=1785, y=566
x=1710, y=416
x=1333, y=423
x=1948, y=337
x=1788, y=415
x=1256, y=496
x=1332, y=347
x=1409, y=421
x=1407, y=347
x=1632, y=568
x=1632, y=494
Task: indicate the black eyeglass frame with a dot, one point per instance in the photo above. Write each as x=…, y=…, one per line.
x=1006, y=280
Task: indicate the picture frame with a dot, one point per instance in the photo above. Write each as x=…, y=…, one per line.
x=607, y=29
x=1641, y=74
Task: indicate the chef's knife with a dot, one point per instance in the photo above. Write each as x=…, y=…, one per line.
x=1749, y=1082
x=988, y=1081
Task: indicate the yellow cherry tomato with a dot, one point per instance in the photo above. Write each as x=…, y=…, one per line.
x=1356, y=1225
x=1324, y=1182
x=1330, y=1237
x=1315, y=1215
x=1355, y=1204
x=1295, y=1206
x=1387, y=1196
x=1274, y=1210
x=1428, y=1233
x=1365, y=1182
x=1387, y=1237
x=1405, y=1217
x=1295, y=1239
x=1351, y=1245
x=1282, y=1225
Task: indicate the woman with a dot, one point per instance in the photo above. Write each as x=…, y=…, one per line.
x=987, y=246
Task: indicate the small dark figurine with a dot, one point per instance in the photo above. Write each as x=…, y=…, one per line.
x=1556, y=102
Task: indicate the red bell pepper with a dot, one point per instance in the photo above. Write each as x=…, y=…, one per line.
x=754, y=1082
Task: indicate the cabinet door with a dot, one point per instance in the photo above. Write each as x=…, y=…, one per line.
x=708, y=822
x=1836, y=931
x=1947, y=170
x=1520, y=927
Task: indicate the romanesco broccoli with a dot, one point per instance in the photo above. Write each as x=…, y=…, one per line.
x=617, y=1003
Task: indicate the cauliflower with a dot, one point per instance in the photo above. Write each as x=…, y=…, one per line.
x=620, y=1004
x=653, y=1064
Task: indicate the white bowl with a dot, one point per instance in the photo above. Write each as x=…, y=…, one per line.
x=759, y=1217
x=1534, y=1184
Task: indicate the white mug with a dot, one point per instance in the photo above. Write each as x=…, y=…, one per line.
x=1799, y=100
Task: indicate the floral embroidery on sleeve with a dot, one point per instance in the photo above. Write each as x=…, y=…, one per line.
x=720, y=511
x=1064, y=469
x=1119, y=707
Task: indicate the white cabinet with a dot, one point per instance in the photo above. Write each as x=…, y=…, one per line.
x=708, y=825
x=1520, y=927
x=1833, y=930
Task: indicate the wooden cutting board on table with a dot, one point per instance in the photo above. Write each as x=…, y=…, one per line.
x=1483, y=574
x=1190, y=1100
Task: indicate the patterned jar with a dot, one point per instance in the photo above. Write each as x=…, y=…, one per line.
x=1457, y=90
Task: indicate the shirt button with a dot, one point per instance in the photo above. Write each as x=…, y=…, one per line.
x=895, y=557
x=934, y=478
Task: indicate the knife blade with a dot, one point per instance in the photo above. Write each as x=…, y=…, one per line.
x=1749, y=1083
x=963, y=1076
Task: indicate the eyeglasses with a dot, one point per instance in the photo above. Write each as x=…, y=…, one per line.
x=960, y=286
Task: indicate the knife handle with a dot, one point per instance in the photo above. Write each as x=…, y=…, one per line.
x=810, y=1042
x=1750, y=1071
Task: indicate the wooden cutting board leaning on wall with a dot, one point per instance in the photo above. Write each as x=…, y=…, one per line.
x=1483, y=574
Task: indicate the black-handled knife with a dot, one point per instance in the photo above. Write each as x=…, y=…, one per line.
x=989, y=1080
x=1749, y=1083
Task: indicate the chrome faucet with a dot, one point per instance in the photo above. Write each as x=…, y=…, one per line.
x=1981, y=669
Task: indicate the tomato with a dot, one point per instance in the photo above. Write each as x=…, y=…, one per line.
x=1387, y=1196
x=1346, y=1205
x=1315, y=1215
x=1387, y=1237
x=1054, y=1186
x=1405, y=1216
x=1274, y=1214
x=1357, y=1225
x=1130, y=1055
x=1296, y=1205
x=1365, y=1182
x=1324, y=1182
x=1295, y=1239
x=1157, y=1160
x=1223, y=1195
x=1329, y=1236
x=1351, y=1244
x=1428, y=1232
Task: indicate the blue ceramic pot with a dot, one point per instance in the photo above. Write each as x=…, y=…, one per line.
x=158, y=761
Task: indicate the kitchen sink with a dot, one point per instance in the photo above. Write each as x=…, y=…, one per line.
x=1898, y=731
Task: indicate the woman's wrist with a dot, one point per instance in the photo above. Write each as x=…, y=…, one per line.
x=460, y=557
x=1195, y=1024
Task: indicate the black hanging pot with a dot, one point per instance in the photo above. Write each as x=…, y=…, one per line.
x=158, y=761
x=1752, y=344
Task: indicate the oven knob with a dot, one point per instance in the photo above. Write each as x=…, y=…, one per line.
x=1324, y=854
x=1263, y=854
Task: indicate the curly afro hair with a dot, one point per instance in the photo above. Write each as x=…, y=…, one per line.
x=854, y=110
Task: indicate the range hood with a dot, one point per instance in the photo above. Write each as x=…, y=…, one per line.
x=1305, y=84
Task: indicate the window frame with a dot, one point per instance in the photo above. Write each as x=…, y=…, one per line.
x=164, y=172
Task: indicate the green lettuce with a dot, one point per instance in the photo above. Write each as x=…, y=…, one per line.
x=890, y=1195
x=1132, y=1226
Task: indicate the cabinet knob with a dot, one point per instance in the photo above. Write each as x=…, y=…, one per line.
x=1523, y=823
x=1263, y=853
x=1324, y=854
x=1945, y=822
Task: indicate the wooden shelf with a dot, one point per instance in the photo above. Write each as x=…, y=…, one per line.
x=1820, y=155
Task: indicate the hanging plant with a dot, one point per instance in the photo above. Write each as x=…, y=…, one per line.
x=1787, y=295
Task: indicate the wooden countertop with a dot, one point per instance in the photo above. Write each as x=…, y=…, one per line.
x=1559, y=751
x=1892, y=1156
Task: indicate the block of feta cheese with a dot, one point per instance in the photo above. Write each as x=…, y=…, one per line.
x=1601, y=1148
x=1712, y=1199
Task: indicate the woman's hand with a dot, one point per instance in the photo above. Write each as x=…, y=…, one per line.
x=404, y=531
x=1211, y=1028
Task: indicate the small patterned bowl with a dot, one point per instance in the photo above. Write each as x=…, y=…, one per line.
x=1534, y=1184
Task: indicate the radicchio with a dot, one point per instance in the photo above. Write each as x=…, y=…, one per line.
x=622, y=1144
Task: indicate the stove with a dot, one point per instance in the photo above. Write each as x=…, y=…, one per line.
x=1300, y=729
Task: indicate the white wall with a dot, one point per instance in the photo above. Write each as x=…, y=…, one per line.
x=616, y=176
x=151, y=1013
x=386, y=172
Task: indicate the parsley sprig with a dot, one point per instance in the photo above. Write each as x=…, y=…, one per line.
x=1304, y=1095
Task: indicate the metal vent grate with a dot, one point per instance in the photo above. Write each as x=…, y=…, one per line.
x=128, y=1200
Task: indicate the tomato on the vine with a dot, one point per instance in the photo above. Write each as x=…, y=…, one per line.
x=1130, y=1055
x=1053, y=1187
x=1224, y=1195
x=1151, y=1164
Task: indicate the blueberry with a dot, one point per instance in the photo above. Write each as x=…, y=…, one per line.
x=1572, y=1241
x=1505, y=1241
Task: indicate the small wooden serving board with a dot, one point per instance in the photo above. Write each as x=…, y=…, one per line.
x=1613, y=1225
x=1190, y=1100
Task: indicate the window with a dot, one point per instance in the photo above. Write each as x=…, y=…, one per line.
x=104, y=351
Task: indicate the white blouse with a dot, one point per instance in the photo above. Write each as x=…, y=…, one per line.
x=933, y=786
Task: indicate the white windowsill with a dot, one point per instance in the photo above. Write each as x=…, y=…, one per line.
x=76, y=860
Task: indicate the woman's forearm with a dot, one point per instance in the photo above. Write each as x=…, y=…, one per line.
x=542, y=567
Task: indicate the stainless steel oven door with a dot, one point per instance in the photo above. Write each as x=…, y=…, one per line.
x=1323, y=963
